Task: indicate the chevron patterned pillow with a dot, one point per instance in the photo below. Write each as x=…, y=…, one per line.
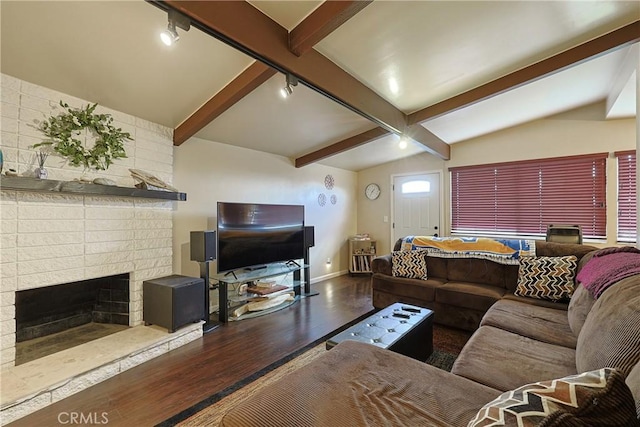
x=595, y=398
x=550, y=278
x=410, y=264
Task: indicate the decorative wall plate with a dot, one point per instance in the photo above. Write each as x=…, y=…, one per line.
x=334, y=199
x=322, y=199
x=329, y=182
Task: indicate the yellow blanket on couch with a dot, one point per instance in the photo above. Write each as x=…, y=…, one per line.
x=503, y=251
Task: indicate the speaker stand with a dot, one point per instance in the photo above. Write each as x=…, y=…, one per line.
x=307, y=277
x=208, y=325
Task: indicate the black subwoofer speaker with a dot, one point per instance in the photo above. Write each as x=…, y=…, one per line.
x=173, y=301
x=203, y=246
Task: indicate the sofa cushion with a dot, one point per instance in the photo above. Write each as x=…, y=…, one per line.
x=610, y=336
x=539, y=323
x=418, y=289
x=607, y=267
x=549, y=278
x=579, y=307
x=381, y=264
x=478, y=271
x=596, y=398
x=437, y=267
x=356, y=384
x=562, y=249
x=409, y=264
x=469, y=295
x=504, y=360
x=556, y=305
x=633, y=381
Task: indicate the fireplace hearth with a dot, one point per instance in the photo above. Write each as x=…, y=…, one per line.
x=53, y=318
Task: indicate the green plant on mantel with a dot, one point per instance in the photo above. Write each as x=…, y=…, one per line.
x=62, y=132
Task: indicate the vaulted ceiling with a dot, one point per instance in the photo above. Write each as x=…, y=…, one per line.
x=436, y=72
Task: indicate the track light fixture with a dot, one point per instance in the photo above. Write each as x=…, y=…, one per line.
x=170, y=35
x=176, y=19
x=288, y=88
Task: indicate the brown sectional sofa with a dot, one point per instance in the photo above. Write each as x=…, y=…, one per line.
x=460, y=290
x=517, y=342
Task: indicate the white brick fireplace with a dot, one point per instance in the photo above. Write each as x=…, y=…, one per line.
x=54, y=238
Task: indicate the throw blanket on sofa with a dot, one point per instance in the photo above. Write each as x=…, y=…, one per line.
x=503, y=251
x=607, y=267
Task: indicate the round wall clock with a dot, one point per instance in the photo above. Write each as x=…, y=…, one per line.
x=372, y=191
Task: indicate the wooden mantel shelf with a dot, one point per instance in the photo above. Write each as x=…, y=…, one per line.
x=19, y=183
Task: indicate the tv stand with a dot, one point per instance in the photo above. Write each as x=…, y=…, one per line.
x=233, y=273
x=307, y=274
x=244, y=276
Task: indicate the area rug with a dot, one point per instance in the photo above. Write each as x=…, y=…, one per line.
x=211, y=410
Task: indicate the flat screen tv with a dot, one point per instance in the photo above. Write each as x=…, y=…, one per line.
x=252, y=235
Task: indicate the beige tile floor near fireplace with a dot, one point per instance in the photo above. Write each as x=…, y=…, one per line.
x=33, y=349
x=41, y=382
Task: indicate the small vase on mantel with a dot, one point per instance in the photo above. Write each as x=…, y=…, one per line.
x=41, y=172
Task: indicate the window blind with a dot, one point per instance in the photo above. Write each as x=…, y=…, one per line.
x=524, y=197
x=626, y=196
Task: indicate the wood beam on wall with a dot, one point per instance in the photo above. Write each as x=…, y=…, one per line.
x=322, y=22
x=252, y=77
x=621, y=37
x=340, y=146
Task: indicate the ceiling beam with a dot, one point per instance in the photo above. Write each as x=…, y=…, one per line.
x=435, y=146
x=247, y=29
x=244, y=27
x=326, y=18
x=621, y=37
x=622, y=78
x=322, y=22
x=415, y=132
x=252, y=77
x=340, y=146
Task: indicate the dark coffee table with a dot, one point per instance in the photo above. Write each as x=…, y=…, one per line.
x=402, y=328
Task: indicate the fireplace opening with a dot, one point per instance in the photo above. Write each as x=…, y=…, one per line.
x=54, y=318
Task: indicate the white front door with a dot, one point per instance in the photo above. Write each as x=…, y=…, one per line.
x=416, y=205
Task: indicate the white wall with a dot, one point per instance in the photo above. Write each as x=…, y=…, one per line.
x=581, y=131
x=210, y=172
x=371, y=213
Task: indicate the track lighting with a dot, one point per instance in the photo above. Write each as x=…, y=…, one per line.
x=176, y=19
x=288, y=89
x=170, y=35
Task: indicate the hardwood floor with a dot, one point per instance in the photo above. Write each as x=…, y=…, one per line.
x=158, y=389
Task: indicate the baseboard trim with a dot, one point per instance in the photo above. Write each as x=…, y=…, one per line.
x=328, y=276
